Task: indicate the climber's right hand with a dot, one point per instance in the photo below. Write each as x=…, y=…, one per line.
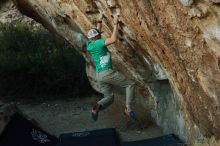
x=116, y=19
x=100, y=16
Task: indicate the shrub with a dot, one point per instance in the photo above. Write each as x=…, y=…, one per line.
x=33, y=63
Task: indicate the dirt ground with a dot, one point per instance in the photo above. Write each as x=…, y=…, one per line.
x=64, y=115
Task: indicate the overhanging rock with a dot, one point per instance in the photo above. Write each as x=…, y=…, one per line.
x=183, y=41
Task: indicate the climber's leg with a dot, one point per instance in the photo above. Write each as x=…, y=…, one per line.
x=106, y=89
x=115, y=78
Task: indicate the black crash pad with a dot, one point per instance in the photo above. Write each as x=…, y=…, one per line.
x=102, y=137
x=167, y=140
x=21, y=132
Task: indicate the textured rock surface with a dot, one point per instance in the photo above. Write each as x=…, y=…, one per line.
x=215, y=1
x=159, y=39
x=10, y=14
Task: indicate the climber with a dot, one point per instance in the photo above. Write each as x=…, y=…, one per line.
x=106, y=76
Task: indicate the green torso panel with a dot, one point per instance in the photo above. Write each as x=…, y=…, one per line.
x=100, y=54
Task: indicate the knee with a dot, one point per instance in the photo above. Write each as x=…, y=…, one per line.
x=131, y=84
x=109, y=96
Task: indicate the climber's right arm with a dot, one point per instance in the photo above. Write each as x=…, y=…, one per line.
x=113, y=38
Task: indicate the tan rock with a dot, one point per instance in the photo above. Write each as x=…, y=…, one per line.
x=153, y=32
x=215, y=1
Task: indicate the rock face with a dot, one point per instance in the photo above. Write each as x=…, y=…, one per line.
x=10, y=14
x=170, y=48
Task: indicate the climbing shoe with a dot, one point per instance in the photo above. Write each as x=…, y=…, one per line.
x=94, y=113
x=130, y=114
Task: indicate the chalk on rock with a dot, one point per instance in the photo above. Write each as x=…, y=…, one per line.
x=216, y=32
x=159, y=72
x=187, y=3
x=199, y=12
x=188, y=42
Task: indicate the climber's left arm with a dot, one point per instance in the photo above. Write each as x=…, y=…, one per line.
x=99, y=22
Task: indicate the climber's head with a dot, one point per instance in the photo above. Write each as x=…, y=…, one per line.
x=94, y=34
